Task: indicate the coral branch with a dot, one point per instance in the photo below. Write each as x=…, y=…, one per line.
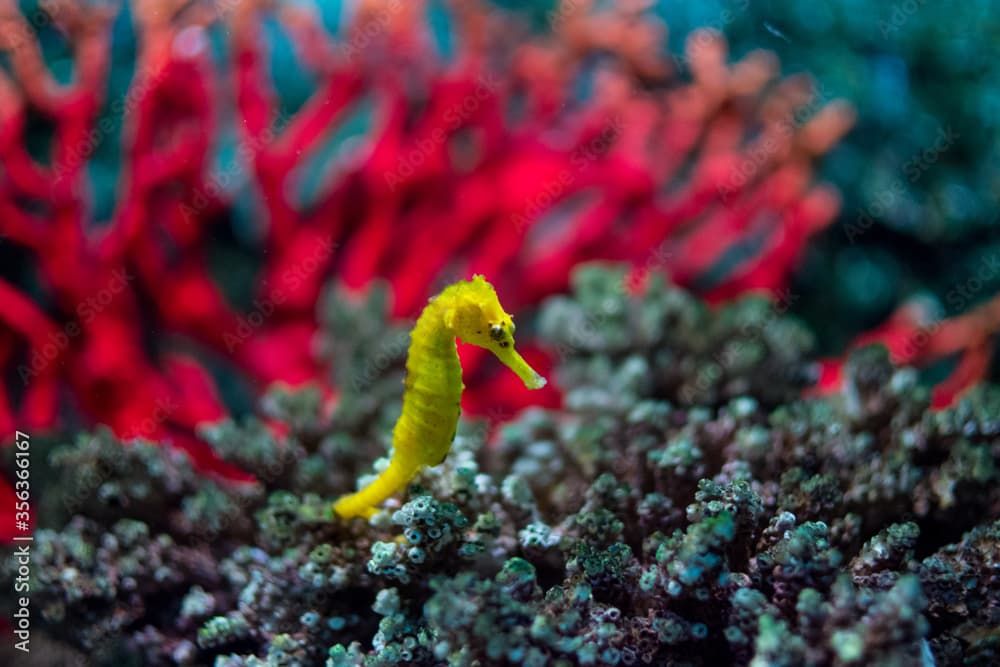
x=489, y=160
x=914, y=337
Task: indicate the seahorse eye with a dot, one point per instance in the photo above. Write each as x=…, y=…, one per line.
x=496, y=331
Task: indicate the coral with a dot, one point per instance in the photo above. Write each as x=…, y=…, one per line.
x=105, y=479
x=366, y=352
x=468, y=157
x=919, y=335
x=802, y=558
x=960, y=582
x=669, y=344
x=101, y=584
x=858, y=528
x=677, y=503
x=891, y=551
x=918, y=213
x=432, y=531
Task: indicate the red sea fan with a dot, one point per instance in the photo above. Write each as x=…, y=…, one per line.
x=914, y=336
x=490, y=161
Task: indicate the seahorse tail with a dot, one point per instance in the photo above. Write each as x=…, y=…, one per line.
x=364, y=502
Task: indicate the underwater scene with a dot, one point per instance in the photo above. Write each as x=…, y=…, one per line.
x=490, y=333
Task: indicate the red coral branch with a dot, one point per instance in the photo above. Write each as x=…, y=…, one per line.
x=914, y=337
x=489, y=162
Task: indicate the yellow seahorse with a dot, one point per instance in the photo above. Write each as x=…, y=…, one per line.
x=467, y=310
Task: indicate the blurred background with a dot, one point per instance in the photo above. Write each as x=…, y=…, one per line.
x=179, y=180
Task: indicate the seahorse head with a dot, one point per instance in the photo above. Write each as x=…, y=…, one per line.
x=475, y=315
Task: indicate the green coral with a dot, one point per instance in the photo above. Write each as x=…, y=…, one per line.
x=627, y=527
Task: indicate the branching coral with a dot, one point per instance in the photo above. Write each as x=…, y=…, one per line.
x=846, y=530
x=448, y=165
x=916, y=336
x=721, y=521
